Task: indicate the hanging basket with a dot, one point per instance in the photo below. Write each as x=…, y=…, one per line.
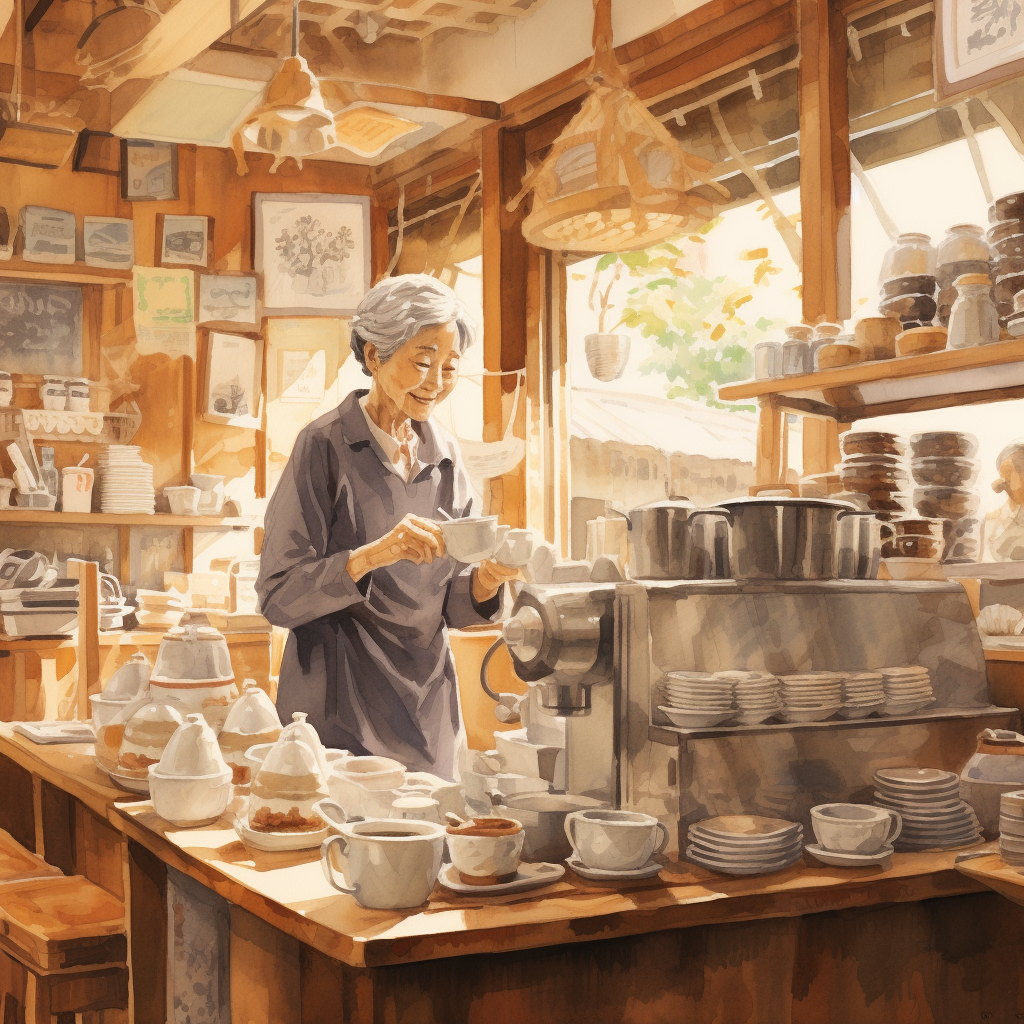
x=607, y=355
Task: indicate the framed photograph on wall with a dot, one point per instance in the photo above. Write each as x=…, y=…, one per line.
x=149, y=170
x=313, y=251
x=233, y=380
x=977, y=44
x=228, y=300
x=183, y=241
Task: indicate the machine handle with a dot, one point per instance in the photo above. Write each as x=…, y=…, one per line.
x=507, y=709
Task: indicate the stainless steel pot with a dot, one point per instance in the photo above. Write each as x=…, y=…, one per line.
x=667, y=541
x=860, y=546
x=784, y=538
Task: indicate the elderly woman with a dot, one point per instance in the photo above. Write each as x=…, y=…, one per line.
x=353, y=560
x=1004, y=527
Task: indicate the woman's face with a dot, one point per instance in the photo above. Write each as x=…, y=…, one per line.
x=421, y=373
x=1012, y=482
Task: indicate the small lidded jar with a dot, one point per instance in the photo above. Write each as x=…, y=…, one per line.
x=78, y=394
x=973, y=319
x=54, y=393
x=912, y=255
x=796, y=351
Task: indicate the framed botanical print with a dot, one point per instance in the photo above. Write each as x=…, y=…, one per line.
x=313, y=251
x=977, y=44
x=183, y=241
x=233, y=380
x=149, y=170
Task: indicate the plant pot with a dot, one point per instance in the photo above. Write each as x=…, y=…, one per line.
x=607, y=355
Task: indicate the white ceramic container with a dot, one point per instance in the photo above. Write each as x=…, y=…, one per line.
x=211, y=501
x=193, y=666
x=615, y=840
x=146, y=734
x=251, y=721
x=191, y=784
x=486, y=859
x=287, y=785
x=183, y=501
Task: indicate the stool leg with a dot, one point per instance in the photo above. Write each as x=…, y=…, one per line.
x=37, y=1000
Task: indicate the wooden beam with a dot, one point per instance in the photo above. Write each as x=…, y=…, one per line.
x=371, y=93
x=824, y=161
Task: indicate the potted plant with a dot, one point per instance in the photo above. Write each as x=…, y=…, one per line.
x=607, y=352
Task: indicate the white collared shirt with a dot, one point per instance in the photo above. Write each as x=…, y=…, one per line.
x=398, y=461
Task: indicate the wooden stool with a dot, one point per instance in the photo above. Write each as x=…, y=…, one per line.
x=18, y=864
x=63, y=950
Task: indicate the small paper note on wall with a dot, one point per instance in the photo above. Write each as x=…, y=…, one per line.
x=303, y=376
x=164, y=298
x=171, y=341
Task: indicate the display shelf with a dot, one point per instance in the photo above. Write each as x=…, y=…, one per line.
x=38, y=517
x=1004, y=654
x=672, y=734
x=62, y=426
x=71, y=273
x=906, y=384
x=984, y=570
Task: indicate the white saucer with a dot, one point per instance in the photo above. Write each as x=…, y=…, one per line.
x=529, y=876
x=277, y=842
x=649, y=870
x=848, y=860
x=129, y=783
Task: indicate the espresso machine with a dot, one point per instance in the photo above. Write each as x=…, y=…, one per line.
x=596, y=654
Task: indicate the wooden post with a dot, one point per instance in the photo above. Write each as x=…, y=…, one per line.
x=770, y=425
x=87, y=574
x=507, y=265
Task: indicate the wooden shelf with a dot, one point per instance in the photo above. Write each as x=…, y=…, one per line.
x=38, y=517
x=71, y=273
x=1009, y=654
x=987, y=373
x=984, y=571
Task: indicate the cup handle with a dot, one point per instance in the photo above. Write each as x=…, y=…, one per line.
x=664, y=839
x=337, y=815
x=898, y=820
x=570, y=832
x=325, y=864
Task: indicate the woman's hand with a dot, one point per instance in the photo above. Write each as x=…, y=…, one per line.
x=416, y=539
x=488, y=578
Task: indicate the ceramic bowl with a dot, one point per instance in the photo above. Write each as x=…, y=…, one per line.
x=372, y=772
x=483, y=859
x=211, y=501
x=472, y=539
x=183, y=501
x=189, y=801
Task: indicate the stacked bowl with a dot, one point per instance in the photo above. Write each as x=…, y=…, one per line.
x=1006, y=237
x=745, y=844
x=755, y=695
x=811, y=696
x=873, y=466
x=1011, y=829
x=934, y=816
x=697, y=700
x=945, y=472
x=863, y=694
x=907, y=281
x=907, y=690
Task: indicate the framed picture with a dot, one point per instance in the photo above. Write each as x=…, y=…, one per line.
x=183, y=241
x=233, y=381
x=109, y=242
x=164, y=298
x=977, y=44
x=228, y=300
x=41, y=327
x=149, y=170
x=313, y=251
x=98, y=153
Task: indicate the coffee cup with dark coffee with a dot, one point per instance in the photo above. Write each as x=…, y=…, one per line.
x=486, y=851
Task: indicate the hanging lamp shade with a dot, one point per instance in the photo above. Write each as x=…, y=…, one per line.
x=615, y=180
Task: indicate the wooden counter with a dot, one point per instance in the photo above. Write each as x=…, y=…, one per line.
x=675, y=947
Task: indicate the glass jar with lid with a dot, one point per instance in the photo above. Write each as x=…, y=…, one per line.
x=963, y=243
x=912, y=255
x=796, y=351
x=973, y=319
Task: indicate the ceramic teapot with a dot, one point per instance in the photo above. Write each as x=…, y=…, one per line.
x=996, y=767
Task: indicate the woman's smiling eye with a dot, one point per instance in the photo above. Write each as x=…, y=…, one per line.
x=422, y=366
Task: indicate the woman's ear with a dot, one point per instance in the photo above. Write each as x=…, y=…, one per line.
x=371, y=357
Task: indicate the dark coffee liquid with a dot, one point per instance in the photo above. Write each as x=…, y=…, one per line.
x=389, y=834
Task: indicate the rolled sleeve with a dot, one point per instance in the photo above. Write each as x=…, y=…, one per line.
x=462, y=608
x=298, y=580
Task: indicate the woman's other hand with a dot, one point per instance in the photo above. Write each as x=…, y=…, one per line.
x=414, y=539
x=488, y=578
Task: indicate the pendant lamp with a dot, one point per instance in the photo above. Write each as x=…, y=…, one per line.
x=615, y=180
x=293, y=120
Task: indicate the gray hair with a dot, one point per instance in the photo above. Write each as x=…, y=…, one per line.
x=398, y=308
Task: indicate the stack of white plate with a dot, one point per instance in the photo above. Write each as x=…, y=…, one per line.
x=756, y=695
x=1011, y=829
x=906, y=690
x=863, y=694
x=745, y=844
x=126, y=482
x=811, y=696
x=697, y=700
x=929, y=802
x=159, y=610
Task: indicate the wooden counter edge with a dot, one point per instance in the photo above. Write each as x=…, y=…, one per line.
x=693, y=911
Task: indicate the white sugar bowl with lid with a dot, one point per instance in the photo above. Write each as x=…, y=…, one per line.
x=327, y=760
x=252, y=721
x=193, y=665
x=191, y=784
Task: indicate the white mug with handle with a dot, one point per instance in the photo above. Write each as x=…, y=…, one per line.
x=610, y=840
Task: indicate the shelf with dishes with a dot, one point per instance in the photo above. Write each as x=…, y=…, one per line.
x=70, y=273
x=81, y=427
x=967, y=376
x=43, y=517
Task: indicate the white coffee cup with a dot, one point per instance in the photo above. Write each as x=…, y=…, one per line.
x=388, y=863
x=472, y=539
x=855, y=828
x=486, y=860
x=615, y=840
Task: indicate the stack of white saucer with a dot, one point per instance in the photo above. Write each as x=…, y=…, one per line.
x=755, y=695
x=745, y=844
x=863, y=694
x=1011, y=829
x=810, y=696
x=934, y=816
x=907, y=690
x=126, y=482
x=159, y=610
